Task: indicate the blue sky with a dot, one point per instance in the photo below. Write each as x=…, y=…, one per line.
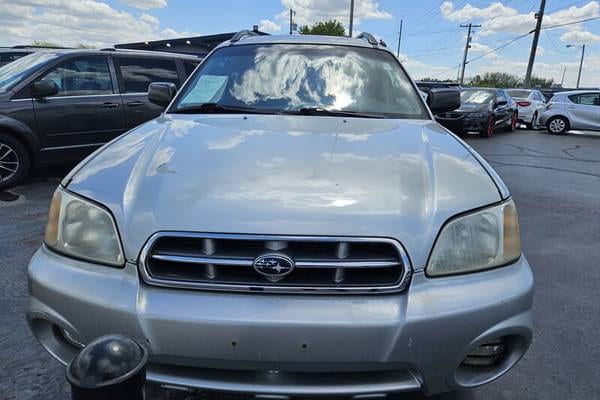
x=432, y=43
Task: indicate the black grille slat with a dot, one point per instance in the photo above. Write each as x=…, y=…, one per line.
x=224, y=262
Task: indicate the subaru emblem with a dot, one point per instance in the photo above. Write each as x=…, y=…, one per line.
x=273, y=266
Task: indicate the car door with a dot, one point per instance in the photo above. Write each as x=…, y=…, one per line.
x=584, y=110
x=136, y=73
x=501, y=110
x=85, y=113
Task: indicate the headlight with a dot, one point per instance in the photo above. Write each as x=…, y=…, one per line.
x=481, y=240
x=79, y=228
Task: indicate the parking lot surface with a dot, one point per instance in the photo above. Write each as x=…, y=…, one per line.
x=555, y=181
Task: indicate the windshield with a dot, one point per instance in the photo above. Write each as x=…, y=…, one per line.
x=282, y=78
x=11, y=74
x=518, y=93
x=476, y=96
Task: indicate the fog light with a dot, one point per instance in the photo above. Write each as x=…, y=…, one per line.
x=487, y=353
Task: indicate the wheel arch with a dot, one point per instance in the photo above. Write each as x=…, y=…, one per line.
x=23, y=134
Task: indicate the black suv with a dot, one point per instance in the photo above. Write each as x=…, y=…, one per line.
x=62, y=105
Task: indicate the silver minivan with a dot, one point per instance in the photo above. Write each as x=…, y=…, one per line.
x=295, y=224
x=572, y=110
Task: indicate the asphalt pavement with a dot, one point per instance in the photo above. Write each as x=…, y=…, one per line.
x=555, y=181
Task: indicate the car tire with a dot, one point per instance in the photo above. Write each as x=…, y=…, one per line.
x=557, y=125
x=14, y=161
x=513, y=124
x=490, y=127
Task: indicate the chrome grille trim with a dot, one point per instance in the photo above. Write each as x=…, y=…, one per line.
x=341, y=265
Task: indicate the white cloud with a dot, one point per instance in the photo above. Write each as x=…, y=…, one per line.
x=498, y=18
x=72, y=22
x=468, y=12
x=580, y=37
x=145, y=4
x=540, y=51
x=266, y=25
x=310, y=11
x=478, y=47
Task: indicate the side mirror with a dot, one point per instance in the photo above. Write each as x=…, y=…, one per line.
x=443, y=100
x=161, y=93
x=44, y=88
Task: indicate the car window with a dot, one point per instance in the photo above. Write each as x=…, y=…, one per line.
x=6, y=58
x=138, y=73
x=189, y=67
x=588, y=99
x=289, y=78
x=541, y=96
x=518, y=93
x=501, y=97
x=471, y=96
x=82, y=76
x=13, y=73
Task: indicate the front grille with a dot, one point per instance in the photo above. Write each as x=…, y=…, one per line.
x=453, y=115
x=321, y=264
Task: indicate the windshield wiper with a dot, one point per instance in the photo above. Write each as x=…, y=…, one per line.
x=216, y=108
x=332, y=113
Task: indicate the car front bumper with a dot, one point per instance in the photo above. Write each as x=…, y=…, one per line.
x=463, y=124
x=301, y=345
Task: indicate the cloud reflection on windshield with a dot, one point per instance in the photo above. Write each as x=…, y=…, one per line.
x=336, y=81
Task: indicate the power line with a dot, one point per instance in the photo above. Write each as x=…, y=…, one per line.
x=570, y=23
x=558, y=49
x=499, y=47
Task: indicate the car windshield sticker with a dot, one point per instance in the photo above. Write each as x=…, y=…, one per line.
x=208, y=89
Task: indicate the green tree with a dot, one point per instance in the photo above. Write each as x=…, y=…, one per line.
x=537, y=82
x=45, y=43
x=496, y=80
x=503, y=80
x=329, y=28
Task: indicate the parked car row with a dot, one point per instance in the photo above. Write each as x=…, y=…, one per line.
x=63, y=104
x=483, y=110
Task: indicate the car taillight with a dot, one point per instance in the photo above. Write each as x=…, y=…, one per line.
x=523, y=103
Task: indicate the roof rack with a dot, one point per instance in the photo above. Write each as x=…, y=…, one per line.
x=242, y=34
x=370, y=38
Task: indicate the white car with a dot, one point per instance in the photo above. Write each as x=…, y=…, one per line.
x=579, y=109
x=531, y=104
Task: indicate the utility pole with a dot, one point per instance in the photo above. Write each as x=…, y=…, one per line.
x=351, y=18
x=467, y=46
x=536, y=37
x=399, y=39
x=292, y=12
x=580, y=65
x=563, y=77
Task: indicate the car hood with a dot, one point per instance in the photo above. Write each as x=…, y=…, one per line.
x=470, y=107
x=293, y=175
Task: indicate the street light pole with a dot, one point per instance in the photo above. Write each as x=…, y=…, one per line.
x=580, y=65
x=580, y=62
x=351, y=18
x=399, y=39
